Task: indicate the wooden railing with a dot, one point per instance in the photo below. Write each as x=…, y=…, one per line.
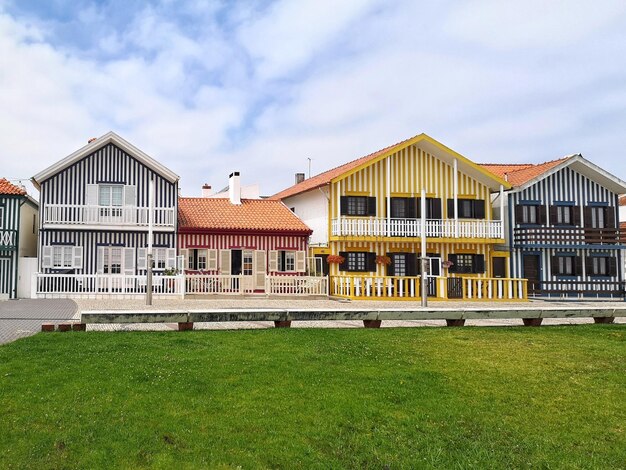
x=435, y=228
x=296, y=285
x=66, y=214
x=110, y=285
x=568, y=235
x=223, y=284
x=574, y=288
x=8, y=239
x=408, y=288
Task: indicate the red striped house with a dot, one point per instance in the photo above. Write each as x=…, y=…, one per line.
x=249, y=237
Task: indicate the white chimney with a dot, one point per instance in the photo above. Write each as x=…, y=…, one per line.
x=206, y=190
x=299, y=177
x=234, y=188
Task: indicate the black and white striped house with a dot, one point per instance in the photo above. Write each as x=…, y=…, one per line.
x=94, y=216
x=18, y=235
x=562, y=227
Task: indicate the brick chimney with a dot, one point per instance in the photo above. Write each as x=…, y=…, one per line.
x=234, y=188
x=91, y=140
x=206, y=190
x=299, y=177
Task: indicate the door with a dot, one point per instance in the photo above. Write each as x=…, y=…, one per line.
x=434, y=271
x=499, y=267
x=247, y=269
x=531, y=272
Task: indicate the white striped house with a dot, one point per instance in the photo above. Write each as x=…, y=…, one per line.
x=94, y=211
x=18, y=234
x=563, y=227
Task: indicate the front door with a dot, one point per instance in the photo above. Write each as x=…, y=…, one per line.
x=531, y=272
x=499, y=267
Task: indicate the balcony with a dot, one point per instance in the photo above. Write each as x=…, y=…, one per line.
x=86, y=215
x=568, y=236
x=435, y=228
x=8, y=239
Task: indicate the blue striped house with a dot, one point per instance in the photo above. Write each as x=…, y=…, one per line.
x=94, y=211
x=562, y=227
x=18, y=234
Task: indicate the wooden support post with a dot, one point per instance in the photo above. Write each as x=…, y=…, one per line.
x=532, y=321
x=282, y=323
x=185, y=326
x=79, y=327
x=65, y=327
x=372, y=323
x=603, y=320
x=460, y=322
x=47, y=327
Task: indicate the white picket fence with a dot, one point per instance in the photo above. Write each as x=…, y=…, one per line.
x=296, y=285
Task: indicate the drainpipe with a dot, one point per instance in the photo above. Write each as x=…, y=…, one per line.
x=424, y=277
x=388, y=193
x=501, y=211
x=456, y=198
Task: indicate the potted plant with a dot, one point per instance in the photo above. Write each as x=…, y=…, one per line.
x=335, y=259
x=384, y=260
x=447, y=264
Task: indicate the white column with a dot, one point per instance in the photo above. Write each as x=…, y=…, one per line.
x=338, y=188
x=388, y=194
x=501, y=211
x=455, y=189
x=149, y=254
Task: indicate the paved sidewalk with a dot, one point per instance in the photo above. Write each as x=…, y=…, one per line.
x=19, y=318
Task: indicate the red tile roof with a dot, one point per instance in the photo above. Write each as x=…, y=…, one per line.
x=9, y=188
x=519, y=173
x=253, y=215
x=327, y=176
x=622, y=200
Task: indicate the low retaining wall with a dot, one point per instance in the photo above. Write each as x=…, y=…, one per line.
x=453, y=316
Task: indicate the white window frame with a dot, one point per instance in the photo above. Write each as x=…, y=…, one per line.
x=70, y=257
x=111, y=187
x=1, y=217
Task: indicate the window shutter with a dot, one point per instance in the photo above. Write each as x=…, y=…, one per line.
x=435, y=264
x=541, y=214
x=450, y=208
x=589, y=266
x=100, y=268
x=478, y=262
x=142, y=258
x=343, y=201
x=77, y=257
x=411, y=208
x=343, y=266
x=453, y=260
x=46, y=257
x=418, y=207
x=260, y=269
x=554, y=215
x=575, y=215
x=129, y=261
x=130, y=196
x=391, y=267
x=273, y=264
x=609, y=219
x=436, y=209
x=578, y=265
x=185, y=256
x=211, y=260
x=554, y=265
x=371, y=206
x=300, y=261
x=371, y=262
x=411, y=264
x=225, y=267
x=91, y=196
x=479, y=209
x=612, y=265
x=519, y=214
x=170, y=261
x=587, y=216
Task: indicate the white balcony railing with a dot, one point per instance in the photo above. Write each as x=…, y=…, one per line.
x=446, y=228
x=67, y=214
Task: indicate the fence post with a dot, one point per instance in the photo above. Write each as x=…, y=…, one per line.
x=33, y=285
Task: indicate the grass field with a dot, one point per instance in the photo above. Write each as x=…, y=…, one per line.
x=549, y=397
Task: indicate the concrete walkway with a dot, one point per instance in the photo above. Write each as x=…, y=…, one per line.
x=19, y=318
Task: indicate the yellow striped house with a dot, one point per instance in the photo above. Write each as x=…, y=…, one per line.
x=367, y=223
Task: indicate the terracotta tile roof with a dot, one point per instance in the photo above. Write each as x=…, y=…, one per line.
x=9, y=188
x=254, y=215
x=519, y=173
x=327, y=176
x=622, y=200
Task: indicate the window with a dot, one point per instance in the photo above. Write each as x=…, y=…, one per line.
x=466, y=263
x=202, y=257
x=467, y=208
x=247, y=263
x=2, y=217
x=399, y=264
x=110, y=200
x=399, y=206
x=111, y=259
x=530, y=214
x=62, y=257
x=286, y=261
x=601, y=266
x=358, y=261
x=358, y=205
x=565, y=215
x=566, y=265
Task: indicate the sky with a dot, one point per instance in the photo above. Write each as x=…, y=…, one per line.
x=261, y=87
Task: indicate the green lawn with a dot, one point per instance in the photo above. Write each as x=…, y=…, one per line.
x=549, y=397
